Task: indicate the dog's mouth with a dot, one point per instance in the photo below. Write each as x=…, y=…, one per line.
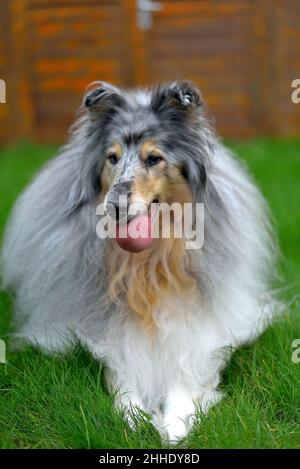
x=136, y=234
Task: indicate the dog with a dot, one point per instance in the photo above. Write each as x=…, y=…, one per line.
x=163, y=319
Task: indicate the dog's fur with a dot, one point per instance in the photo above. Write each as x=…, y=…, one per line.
x=161, y=320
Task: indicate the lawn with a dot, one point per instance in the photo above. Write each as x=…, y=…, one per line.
x=55, y=402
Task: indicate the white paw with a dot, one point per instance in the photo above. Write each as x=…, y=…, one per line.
x=180, y=411
x=177, y=428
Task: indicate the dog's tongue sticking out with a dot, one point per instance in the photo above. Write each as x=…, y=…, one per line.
x=136, y=235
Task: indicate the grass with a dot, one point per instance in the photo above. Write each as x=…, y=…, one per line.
x=55, y=402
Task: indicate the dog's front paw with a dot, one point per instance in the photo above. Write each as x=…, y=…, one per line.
x=179, y=414
x=176, y=428
x=181, y=409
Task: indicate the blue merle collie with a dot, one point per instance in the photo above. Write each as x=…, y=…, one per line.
x=162, y=316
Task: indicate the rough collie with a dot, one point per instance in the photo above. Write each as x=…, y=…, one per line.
x=161, y=317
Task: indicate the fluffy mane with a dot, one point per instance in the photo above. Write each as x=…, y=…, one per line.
x=145, y=282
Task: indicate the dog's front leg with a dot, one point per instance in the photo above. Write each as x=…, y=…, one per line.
x=127, y=399
x=180, y=410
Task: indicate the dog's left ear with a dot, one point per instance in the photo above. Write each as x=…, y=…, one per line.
x=181, y=96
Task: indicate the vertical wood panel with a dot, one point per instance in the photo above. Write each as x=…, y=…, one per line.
x=137, y=44
x=21, y=97
x=4, y=68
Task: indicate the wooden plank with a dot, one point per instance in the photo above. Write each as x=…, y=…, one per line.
x=5, y=108
x=21, y=99
x=40, y=4
x=137, y=45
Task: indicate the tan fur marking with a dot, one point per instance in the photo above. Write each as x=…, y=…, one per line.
x=166, y=184
x=116, y=149
x=149, y=147
x=145, y=281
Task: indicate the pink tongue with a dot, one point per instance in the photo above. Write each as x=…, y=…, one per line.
x=136, y=235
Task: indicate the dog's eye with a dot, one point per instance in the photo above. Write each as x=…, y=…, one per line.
x=153, y=160
x=113, y=158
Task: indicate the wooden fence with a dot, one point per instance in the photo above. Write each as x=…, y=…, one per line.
x=244, y=54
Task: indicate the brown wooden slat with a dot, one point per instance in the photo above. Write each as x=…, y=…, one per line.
x=4, y=70
x=40, y=4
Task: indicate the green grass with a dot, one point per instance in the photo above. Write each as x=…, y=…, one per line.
x=60, y=402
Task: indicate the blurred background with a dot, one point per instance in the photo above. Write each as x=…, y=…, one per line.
x=243, y=54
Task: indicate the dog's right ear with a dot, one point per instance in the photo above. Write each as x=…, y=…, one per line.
x=103, y=97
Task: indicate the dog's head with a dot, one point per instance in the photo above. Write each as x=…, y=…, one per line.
x=151, y=148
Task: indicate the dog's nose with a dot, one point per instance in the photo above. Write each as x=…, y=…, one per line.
x=117, y=204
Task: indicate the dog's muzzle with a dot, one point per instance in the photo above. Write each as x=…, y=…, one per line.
x=118, y=201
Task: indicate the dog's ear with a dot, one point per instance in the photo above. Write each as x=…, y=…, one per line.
x=103, y=97
x=181, y=96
